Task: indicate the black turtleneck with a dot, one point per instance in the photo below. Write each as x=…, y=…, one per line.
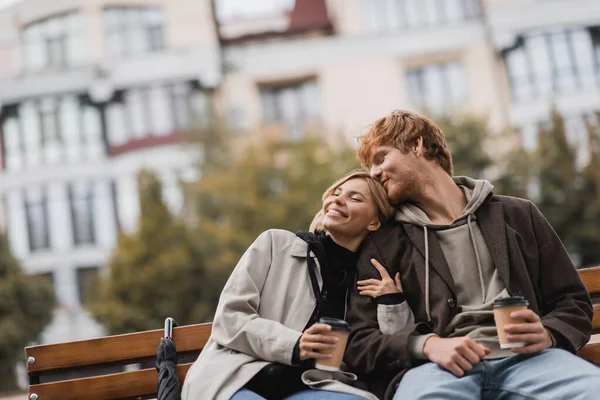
x=338, y=277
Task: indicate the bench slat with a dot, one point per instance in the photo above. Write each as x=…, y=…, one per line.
x=590, y=351
x=124, y=349
x=596, y=319
x=124, y=385
x=591, y=279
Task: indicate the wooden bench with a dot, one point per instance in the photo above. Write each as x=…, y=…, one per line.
x=47, y=360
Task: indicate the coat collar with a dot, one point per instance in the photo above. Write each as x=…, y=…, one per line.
x=490, y=218
x=436, y=255
x=298, y=248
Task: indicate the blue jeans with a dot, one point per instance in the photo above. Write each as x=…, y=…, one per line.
x=551, y=374
x=245, y=394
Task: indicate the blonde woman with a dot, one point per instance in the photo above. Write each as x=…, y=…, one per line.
x=264, y=332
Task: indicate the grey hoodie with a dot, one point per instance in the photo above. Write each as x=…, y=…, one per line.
x=475, y=277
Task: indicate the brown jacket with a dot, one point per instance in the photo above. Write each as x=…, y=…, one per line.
x=530, y=260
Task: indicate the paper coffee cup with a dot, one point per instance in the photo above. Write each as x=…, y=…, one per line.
x=503, y=307
x=340, y=330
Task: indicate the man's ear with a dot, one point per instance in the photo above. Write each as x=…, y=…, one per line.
x=419, y=146
x=373, y=226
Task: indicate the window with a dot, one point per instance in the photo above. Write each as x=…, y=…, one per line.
x=36, y=211
x=82, y=213
x=396, y=15
x=55, y=42
x=291, y=105
x=159, y=110
x=133, y=30
x=52, y=130
x=556, y=61
x=87, y=284
x=437, y=87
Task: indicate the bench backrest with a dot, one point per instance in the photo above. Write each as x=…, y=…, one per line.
x=47, y=360
x=591, y=280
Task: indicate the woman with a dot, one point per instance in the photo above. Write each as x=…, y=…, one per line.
x=264, y=332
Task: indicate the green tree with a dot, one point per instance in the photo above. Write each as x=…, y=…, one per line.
x=558, y=179
x=154, y=272
x=587, y=232
x=566, y=192
x=26, y=304
x=270, y=184
x=467, y=138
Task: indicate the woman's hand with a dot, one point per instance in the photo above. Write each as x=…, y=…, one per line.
x=376, y=287
x=315, y=344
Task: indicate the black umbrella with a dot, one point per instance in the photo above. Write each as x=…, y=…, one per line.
x=166, y=365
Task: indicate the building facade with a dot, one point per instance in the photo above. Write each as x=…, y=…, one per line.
x=346, y=62
x=93, y=90
x=90, y=92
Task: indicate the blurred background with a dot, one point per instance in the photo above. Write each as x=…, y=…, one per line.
x=146, y=143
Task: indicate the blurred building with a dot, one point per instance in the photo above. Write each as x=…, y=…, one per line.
x=92, y=90
x=339, y=64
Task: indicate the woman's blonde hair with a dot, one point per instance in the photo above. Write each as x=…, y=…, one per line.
x=384, y=209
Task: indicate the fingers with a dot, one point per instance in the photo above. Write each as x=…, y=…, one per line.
x=469, y=355
x=455, y=369
x=370, y=293
x=368, y=282
x=382, y=271
x=524, y=328
x=318, y=328
x=530, y=338
x=322, y=347
x=311, y=338
x=369, y=287
x=463, y=363
x=397, y=281
x=529, y=349
x=312, y=354
x=526, y=315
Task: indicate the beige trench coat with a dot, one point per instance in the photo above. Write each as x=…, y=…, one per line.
x=262, y=311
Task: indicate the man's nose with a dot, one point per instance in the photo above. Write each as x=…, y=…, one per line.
x=375, y=173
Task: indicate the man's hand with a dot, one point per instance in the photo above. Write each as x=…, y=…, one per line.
x=531, y=332
x=458, y=355
x=314, y=344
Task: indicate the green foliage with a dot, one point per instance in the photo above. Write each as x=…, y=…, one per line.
x=466, y=139
x=26, y=304
x=558, y=177
x=154, y=272
x=587, y=232
x=271, y=184
x=565, y=192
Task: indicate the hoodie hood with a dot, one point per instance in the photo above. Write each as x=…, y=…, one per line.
x=476, y=192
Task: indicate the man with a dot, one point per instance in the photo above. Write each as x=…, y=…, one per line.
x=458, y=247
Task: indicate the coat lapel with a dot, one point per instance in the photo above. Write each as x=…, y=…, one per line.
x=490, y=218
x=436, y=255
x=298, y=249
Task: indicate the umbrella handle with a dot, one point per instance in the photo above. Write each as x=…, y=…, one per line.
x=170, y=323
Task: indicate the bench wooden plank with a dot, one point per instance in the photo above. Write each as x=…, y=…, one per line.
x=124, y=385
x=124, y=349
x=596, y=319
x=590, y=351
x=591, y=279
